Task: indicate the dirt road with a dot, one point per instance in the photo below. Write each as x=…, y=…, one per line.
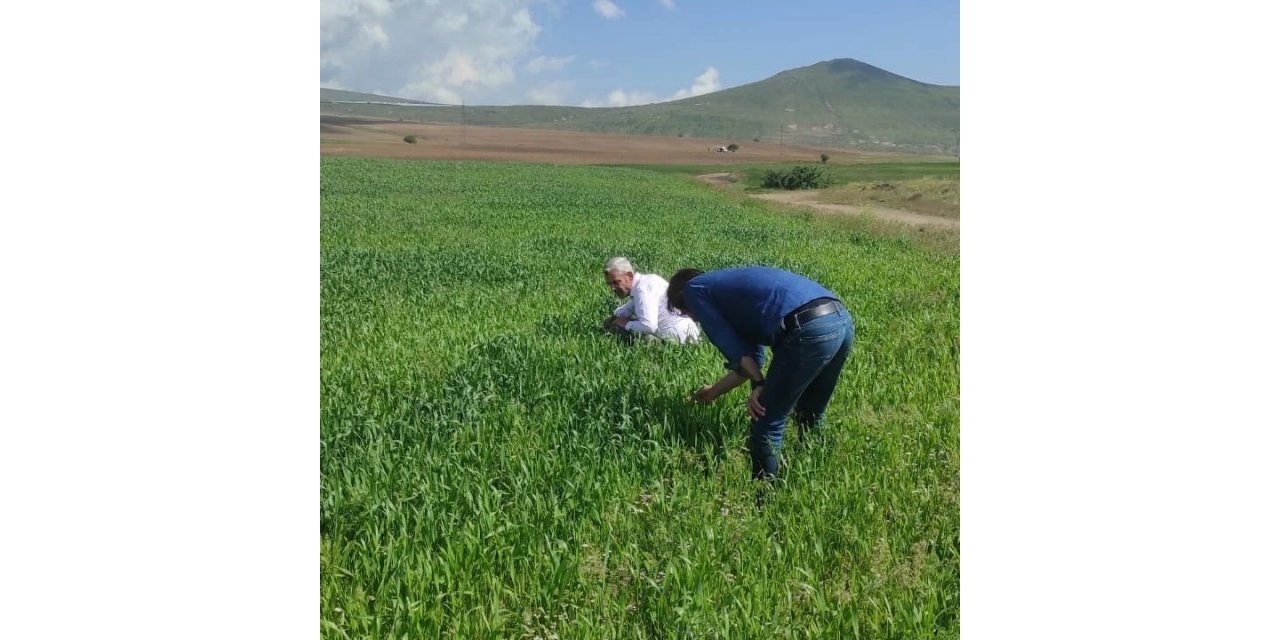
x=809, y=199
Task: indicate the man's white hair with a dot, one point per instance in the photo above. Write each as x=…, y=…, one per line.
x=619, y=264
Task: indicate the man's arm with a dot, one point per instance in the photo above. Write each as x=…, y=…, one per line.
x=620, y=316
x=731, y=380
x=741, y=360
x=717, y=328
x=645, y=302
x=708, y=393
x=625, y=310
x=747, y=365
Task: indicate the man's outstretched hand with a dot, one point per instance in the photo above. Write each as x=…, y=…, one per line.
x=705, y=395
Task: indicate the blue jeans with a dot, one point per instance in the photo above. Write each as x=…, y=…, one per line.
x=802, y=377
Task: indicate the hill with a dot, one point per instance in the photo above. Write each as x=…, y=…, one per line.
x=837, y=103
x=338, y=95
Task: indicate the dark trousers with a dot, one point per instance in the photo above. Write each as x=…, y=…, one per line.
x=802, y=376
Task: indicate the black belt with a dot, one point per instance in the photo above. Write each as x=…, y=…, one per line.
x=809, y=311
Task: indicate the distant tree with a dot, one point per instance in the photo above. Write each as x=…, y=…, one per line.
x=755, y=139
x=825, y=158
x=733, y=147
x=680, y=135
x=411, y=139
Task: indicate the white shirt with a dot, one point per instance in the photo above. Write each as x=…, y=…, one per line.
x=648, y=303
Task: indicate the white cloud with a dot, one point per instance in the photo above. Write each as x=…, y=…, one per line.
x=620, y=98
x=608, y=9
x=440, y=51
x=452, y=22
x=706, y=83
x=431, y=93
x=599, y=64
x=670, y=4
x=543, y=63
x=550, y=93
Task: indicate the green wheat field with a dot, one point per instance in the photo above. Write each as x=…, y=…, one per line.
x=492, y=466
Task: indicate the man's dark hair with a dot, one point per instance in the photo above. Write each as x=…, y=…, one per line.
x=675, y=288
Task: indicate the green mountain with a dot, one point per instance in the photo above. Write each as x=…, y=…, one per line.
x=338, y=95
x=838, y=103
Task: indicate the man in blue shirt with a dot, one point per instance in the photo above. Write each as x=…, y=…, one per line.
x=810, y=332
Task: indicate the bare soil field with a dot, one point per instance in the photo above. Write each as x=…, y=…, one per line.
x=347, y=136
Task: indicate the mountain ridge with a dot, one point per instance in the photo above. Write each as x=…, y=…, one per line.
x=838, y=103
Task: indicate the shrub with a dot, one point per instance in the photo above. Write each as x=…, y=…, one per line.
x=800, y=177
x=825, y=157
x=755, y=139
x=733, y=147
x=411, y=139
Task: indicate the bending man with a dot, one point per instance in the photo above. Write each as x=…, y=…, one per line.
x=645, y=313
x=811, y=333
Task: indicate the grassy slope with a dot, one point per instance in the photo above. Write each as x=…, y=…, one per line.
x=929, y=188
x=853, y=173
x=903, y=169
x=929, y=196
x=835, y=103
x=491, y=466
x=338, y=94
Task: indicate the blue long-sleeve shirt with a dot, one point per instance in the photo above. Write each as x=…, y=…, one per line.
x=741, y=310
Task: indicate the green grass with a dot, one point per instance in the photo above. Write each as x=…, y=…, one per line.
x=493, y=467
x=850, y=173
x=929, y=188
x=841, y=172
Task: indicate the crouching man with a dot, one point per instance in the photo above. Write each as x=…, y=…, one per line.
x=805, y=324
x=645, y=313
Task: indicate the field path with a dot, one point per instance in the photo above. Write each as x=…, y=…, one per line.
x=807, y=199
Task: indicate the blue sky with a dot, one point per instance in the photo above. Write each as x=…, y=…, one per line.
x=618, y=52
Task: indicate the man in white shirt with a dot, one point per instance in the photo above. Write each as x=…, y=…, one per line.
x=645, y=313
